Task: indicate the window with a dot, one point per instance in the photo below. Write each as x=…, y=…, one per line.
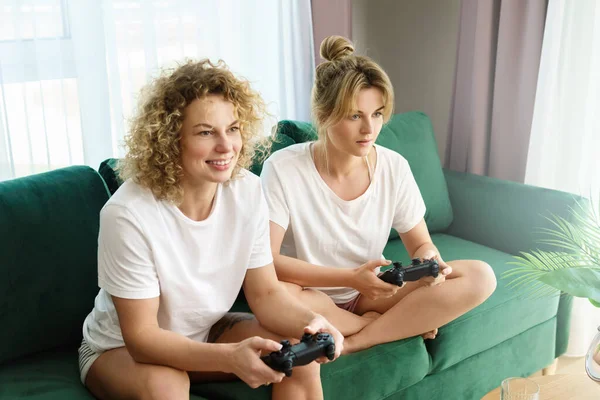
x=71, y=71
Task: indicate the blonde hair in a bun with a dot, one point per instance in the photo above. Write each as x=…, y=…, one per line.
x=339, y=80
x=336, y=47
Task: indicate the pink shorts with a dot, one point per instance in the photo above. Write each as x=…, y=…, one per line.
x=350, y=305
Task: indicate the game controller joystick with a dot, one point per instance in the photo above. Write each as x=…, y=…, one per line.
x=310, y=348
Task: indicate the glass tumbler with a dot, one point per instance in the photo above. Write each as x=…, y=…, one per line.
x=519, y=389
x=592, y=359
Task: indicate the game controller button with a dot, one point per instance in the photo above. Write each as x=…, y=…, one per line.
x=320, y=336
x=285, y=344
x=415, y=261
x=306, y=337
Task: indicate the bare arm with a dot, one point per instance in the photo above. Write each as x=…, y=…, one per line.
x=362, y=278
x=302, y=273
x=418, y=241
x=280, y=312
x=148, y=343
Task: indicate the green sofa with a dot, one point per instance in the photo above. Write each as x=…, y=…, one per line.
x=48, y=281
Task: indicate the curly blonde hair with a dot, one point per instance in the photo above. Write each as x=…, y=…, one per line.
x=153, y=157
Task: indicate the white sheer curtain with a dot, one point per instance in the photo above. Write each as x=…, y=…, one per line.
x=70, y=70
x=564, y=151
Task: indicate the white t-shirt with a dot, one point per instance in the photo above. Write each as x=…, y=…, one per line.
x=149, y=248
x=323, y=229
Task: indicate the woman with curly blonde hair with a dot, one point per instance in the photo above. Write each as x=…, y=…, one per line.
x=179, y=238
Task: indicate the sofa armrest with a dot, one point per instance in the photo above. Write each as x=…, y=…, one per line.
x=502, y=214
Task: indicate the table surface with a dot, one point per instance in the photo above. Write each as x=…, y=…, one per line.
x=560, y=387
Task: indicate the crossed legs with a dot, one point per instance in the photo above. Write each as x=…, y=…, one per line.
x=414, y=310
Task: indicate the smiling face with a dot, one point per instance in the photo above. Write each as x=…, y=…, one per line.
x=356, y=133
x=210, y=140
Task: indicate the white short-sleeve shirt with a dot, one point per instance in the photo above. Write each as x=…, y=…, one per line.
x=323, y=229
x=149, y=248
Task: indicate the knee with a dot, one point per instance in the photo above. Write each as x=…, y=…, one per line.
x=308, y=374
x=165, y=383
x=482, y=280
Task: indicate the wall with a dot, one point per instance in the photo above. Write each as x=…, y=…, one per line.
x=415, y=43
x=330, y=17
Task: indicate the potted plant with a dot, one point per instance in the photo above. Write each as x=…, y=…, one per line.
x=573, y=268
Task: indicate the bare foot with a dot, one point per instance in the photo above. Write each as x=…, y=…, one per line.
x=430, y=335
x=352, y=344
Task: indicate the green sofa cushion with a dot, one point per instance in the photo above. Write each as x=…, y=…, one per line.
x=48, y=376
x=522, y=355
x=48, y=258
x=411, y=135
x=504, y=315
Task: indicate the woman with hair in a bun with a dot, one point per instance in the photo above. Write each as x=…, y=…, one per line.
x=332, y=203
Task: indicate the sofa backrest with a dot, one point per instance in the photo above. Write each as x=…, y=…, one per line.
x=411, y=135
x=48, y=258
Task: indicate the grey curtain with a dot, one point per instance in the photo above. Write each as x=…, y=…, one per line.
x=499, y=48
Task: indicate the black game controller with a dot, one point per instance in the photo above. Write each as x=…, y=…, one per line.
x=399, y=274
x=310, y=348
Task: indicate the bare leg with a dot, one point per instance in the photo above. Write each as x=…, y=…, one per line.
x=422, y=308
x=305, y=382
x=371, y=315
x=346, y=322
x=116, y=375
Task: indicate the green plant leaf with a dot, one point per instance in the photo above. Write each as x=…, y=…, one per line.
x=541, y=273
x=580, y=236
x=580, y=282
x=574, y=268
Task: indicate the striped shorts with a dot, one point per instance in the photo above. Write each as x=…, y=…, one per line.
x=87, y=357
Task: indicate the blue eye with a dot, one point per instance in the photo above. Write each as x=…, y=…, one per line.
x=378, y=114
x=205, y=133
x=354, y=117
x=234, y=129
